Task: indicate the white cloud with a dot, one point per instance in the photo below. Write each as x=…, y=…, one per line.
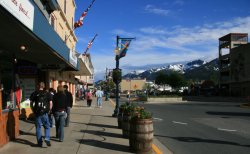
x=155, y=10
x=178, y=2
x=179, y=37
x=158, y=45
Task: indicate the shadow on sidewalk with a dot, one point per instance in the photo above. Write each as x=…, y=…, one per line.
x=196, y=139
x=104, y=145
x=102, y=133
x=26, y=133
x=102, y=125
x=81, y=106
x=93, y=115
x=31, y=121
x=22, y=141
x=97, y=125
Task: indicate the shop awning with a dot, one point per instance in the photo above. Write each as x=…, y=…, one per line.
x=43, y=45
x=84, y=70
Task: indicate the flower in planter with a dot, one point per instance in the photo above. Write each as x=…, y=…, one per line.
x=130, y=108
x=141, y=113
x=123, y=107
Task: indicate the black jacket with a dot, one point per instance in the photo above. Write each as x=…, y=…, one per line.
x=59, y=102
x=69, y=98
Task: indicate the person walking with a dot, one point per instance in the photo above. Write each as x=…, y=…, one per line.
x=89, y=98
x=99, y=95
x=59, y=110
x=52, y=92
x=69, y=104
x=128, y=96
x=41, y=104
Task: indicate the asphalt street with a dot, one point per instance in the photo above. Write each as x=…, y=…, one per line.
x=202, y=127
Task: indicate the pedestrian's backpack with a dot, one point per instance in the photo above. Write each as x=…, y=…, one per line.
x=41, y=103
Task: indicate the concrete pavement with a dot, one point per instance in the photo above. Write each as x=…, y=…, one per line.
x=92, y=130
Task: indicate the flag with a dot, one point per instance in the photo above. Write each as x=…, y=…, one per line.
x=89, y=44
x=124, y=47
x=79, y=22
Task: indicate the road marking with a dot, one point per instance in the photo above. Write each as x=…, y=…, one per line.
x=228, y=130
x=158, y=119
x=177, y=122
x=156, y=149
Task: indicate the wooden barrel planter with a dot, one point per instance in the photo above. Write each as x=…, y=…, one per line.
x=125, y=125
x=141, y=136
x=119, y=119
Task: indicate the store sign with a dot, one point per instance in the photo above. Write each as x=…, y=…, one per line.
x=23, y=10
x=72, y=59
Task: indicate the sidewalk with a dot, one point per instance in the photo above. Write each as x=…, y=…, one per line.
x=91, y=131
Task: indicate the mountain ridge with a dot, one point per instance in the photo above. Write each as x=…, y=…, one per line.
x=196, y=70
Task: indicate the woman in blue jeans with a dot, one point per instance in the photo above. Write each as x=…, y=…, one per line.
x=59, y=110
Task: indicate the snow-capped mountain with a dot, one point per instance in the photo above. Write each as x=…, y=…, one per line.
x=194, y=64
x=183, y=68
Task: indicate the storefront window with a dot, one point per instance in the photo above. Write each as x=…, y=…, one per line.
x=6, y=80
x=6, y=76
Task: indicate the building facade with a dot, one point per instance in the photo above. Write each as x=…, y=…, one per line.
x=233, y=64
x=38, y=45
x=85, y=77
x=240, y=71
x=132, y=84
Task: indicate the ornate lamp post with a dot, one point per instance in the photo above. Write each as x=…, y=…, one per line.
x=115, y=77
x=119, y=53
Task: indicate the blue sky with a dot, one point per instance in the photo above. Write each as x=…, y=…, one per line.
x=166, y=31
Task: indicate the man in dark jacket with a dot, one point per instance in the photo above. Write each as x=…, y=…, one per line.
x=41, y=104
x=69, y=104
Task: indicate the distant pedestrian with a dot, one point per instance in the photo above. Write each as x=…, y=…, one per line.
x=69, y=104
x=41, y=104
x=82, y=93
x=99, y=95
x=59, y=109
x=128, y=96
x=89, y=98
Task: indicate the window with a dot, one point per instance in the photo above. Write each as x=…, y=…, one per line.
x=53, y=22
x=6, y=82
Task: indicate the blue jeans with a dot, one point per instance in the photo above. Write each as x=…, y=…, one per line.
x=99, y=101
x=60, y=122
x=68, y=116
x=42, y=120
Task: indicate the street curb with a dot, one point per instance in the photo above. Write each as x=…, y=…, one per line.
x=157, y=149
x=160, y=148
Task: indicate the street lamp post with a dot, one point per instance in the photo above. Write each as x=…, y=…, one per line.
x=116, y=111
x=117, y=58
